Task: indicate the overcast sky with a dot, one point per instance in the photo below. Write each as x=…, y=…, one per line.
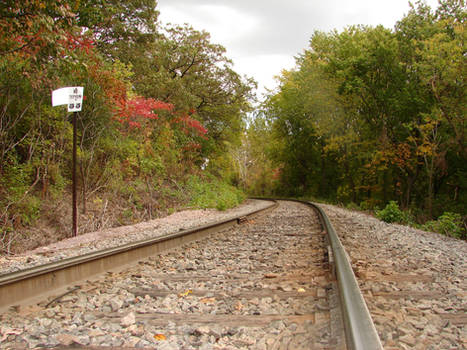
x=263, y=36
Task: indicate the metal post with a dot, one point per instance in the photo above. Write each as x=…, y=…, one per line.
x=74, y=204
x=72, y=96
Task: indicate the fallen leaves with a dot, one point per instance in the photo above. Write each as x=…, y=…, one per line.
x=185, y=293
x=239, y=306
x=160, y=337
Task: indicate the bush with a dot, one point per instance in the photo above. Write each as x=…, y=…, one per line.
x=213, y=193
x=29, y=209
x=370, y=204
x=392, y=213
x=449, y=224
x=352, y=206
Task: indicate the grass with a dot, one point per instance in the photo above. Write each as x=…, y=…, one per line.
x=210, y=192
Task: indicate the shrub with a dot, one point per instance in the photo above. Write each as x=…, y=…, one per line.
x=29, y=209
x=352, y=206
x=449, y=224
x=213, y=193
x=391, y=213
x=370, y=204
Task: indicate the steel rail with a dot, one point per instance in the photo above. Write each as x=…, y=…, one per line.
x=360, y=331
x=25, y=285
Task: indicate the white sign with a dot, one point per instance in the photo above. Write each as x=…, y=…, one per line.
x=70, y=96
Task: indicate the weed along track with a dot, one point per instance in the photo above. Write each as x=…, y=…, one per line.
x=264, y=284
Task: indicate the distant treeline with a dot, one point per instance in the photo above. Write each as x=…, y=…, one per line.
x=371, y=115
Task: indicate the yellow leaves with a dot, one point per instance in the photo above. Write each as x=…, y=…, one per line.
x=29, y=23
x=185, y=293
x=160, y=337
x=425, y=149
x=335, y=143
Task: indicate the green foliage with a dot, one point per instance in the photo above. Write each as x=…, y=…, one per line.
x=449, y=224
x=22, y=207
x=158, y=102
x=196, y=76
x=391, y=213
x=29, y=208
x=352, y=206
x=213, y=193
x=371, y=115
x=368, y=205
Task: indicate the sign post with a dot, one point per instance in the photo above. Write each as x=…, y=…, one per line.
x=73, y=98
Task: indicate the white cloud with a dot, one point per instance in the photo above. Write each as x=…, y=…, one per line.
x=225, y=24
x=263, y=36
x=264, y=68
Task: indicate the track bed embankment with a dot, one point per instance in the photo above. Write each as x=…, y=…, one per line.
x=414, y=282
x=265, y=284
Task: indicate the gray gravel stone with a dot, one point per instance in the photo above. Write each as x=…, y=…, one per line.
x=120, y=310
x=380, y=252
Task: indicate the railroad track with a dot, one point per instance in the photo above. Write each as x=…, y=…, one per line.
x=264, y=284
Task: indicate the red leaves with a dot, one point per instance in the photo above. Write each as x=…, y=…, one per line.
x=78, y=42
x=27, y=27
x=138, y=112
x=145, y=107
x=132, y=112
x=276, y=173
x=188, y=124
x=26, y=45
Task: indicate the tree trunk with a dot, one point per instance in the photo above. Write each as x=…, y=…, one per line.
x=323, y=189
x=430, y=172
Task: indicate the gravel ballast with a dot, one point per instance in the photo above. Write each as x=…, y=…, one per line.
x=414, y=282
x=114, y=237
x=263, y=284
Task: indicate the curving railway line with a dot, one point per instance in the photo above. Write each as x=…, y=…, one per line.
x=273, y=279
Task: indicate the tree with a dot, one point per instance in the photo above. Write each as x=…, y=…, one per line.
x=193, y=74
x=379, y=113
x=434, y=46
x=122, y=30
